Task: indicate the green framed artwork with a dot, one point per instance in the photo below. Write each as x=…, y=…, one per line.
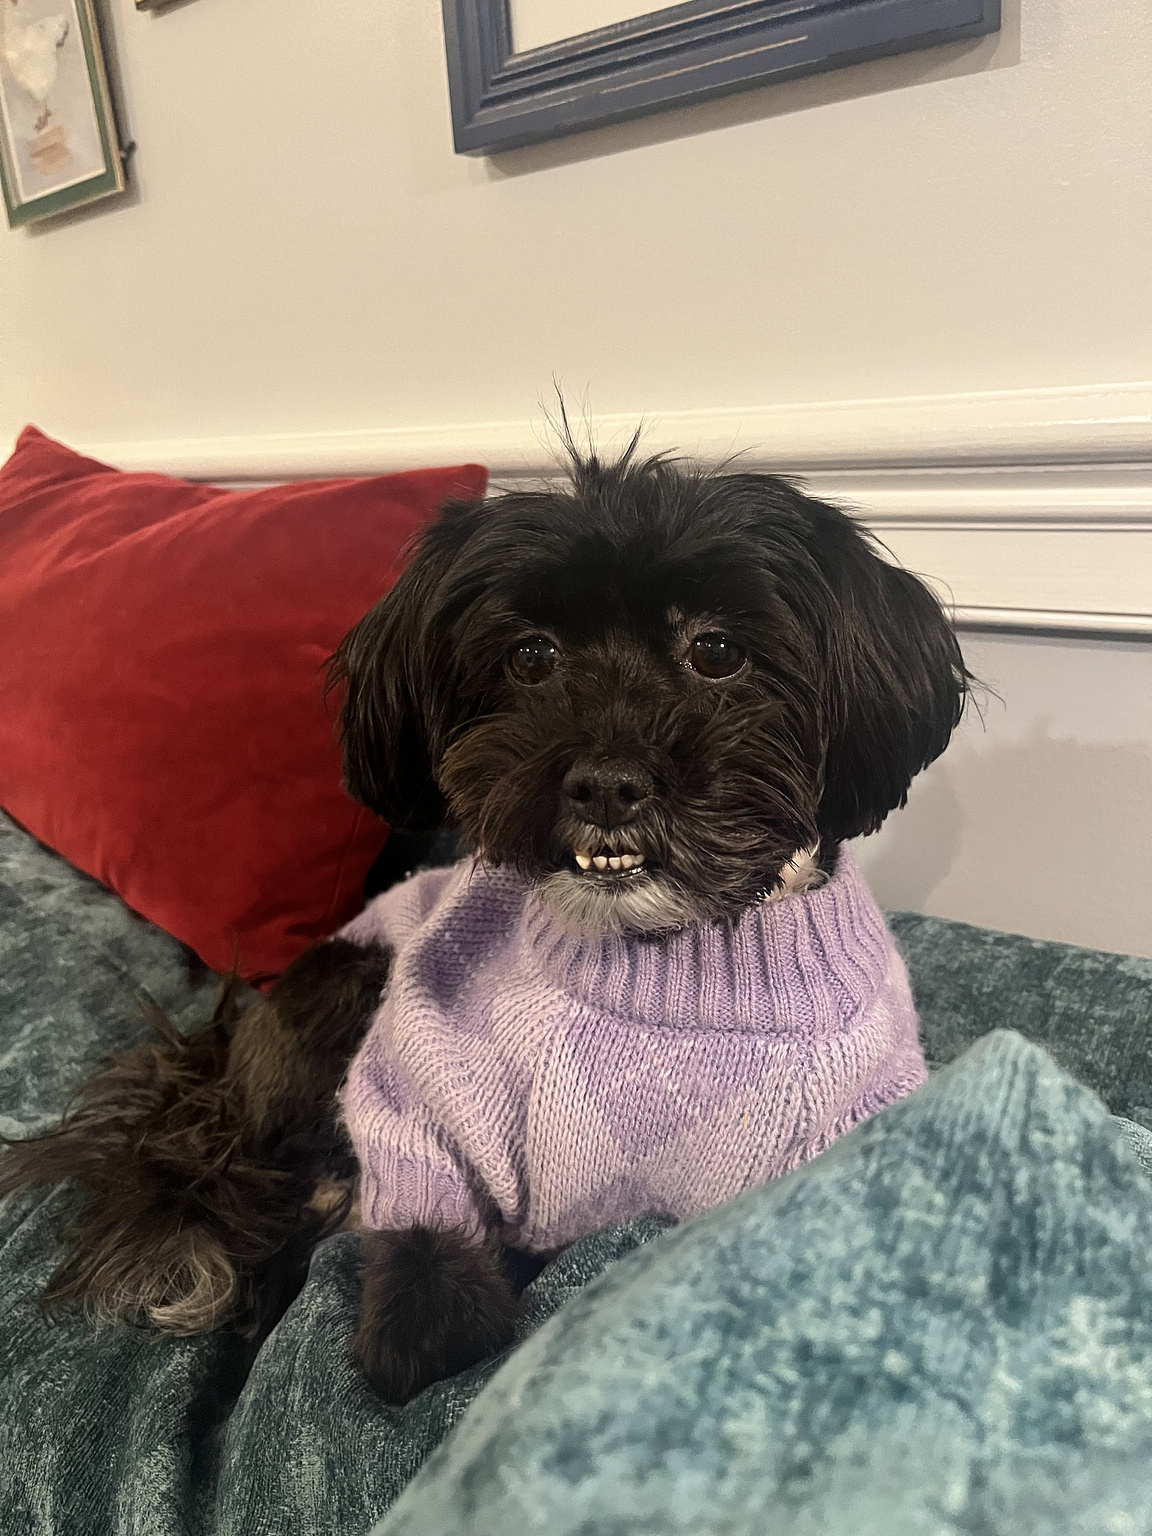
x=58, y=141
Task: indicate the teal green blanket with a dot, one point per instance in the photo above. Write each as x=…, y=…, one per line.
x=733, y=1362
x=941, y=1326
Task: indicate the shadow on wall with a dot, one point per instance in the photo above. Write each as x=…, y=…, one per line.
x=1075, y=817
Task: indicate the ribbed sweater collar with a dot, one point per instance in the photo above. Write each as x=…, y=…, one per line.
x=805, y=965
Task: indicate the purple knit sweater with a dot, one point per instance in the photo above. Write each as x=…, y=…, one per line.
x=521, y=1073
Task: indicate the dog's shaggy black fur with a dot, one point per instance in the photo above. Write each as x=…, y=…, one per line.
x=852, y=681
x=433, y=1304
x=711, y=673
x=210, y=1164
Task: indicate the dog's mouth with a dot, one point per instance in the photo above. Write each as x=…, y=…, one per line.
x=608, y=881
x=609, y=866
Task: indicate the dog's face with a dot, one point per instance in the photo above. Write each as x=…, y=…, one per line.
x=650, y=691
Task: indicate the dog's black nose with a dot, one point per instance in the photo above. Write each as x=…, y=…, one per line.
x=606, y=791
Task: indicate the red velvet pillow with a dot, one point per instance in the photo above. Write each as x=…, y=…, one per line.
x=162, y=719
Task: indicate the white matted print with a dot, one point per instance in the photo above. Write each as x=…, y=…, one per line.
x=58, y=140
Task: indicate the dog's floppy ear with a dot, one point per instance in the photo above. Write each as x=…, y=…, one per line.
x=398, y=675
x=897, y=686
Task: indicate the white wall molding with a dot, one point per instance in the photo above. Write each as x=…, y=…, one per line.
x=1134, y=625
x=1029, y=509
x=1095, y=577
x=1055, y=548
x=1095, y=424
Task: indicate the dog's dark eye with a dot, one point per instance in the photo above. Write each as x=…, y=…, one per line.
x=714, y=655
x=534, y=659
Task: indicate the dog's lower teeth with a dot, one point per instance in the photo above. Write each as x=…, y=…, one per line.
x=600, y=861
x=584, y=860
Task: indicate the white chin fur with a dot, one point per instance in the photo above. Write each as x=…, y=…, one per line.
x=647, y=905
x=651, y=904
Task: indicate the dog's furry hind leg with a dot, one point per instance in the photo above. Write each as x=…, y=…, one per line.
x=197, y=1158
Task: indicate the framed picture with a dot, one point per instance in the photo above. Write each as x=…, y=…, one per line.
x=516, y=75
x=58, y=141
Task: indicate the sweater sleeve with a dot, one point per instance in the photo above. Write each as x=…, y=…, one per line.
x=411, y=1173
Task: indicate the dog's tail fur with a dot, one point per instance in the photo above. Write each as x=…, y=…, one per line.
x=208, y=1166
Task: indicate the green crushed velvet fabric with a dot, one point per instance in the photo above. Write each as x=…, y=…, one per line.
x=943, y=1326
x=75, y=964
x=1091, y=1011
x=120, y=1432
x=308, y=1449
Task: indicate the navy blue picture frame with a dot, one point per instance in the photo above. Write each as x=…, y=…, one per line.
x=670, y=57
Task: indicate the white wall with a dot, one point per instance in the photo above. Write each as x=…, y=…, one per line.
x=1038, y=818
x=307, y=252
x=305, y=279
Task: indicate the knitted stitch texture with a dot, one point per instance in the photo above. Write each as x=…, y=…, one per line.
x=519, y=1073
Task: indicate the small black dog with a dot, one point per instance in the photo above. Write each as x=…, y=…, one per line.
x=661, y=695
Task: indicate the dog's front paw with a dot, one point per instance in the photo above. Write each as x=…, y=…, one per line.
x=434, y=1303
